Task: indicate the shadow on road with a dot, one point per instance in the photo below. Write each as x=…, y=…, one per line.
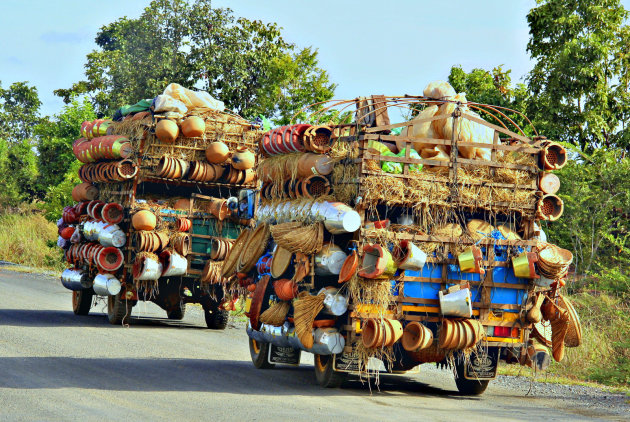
x=57, y=318
x=193, y=375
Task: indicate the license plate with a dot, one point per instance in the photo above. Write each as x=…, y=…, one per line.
x=482, y=366
x=346, y=362
x=284, y=355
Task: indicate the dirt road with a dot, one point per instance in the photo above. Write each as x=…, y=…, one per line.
x=57, y=366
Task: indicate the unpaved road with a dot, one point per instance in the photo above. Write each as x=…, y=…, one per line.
x=57, y=366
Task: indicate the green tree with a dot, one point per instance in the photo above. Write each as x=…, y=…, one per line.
x=237, y=60
x=19, y=111
x=580, y=81
x=596, y=221
x=494, y=88
x=54, y=142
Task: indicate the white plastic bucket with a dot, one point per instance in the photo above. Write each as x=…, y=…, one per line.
x=111, y=235
x=458, y=304
x=329, y=260
x=175, y=265
x=334, y=302
x=414, y=259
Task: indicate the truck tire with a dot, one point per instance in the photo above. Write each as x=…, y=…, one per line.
x=118, y=310
x=177, y=313
x=82, y=301
x=326, y=376
x=468, y=387
x=259, y=351
x=216, y=319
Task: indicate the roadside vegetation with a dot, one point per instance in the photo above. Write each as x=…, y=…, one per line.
x=577, y=41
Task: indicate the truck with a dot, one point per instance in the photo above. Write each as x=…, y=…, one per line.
x=164, y=193
x=378, y=247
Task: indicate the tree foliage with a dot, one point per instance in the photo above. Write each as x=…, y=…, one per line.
x=494, y=88
x=54, y=142
x=581, y=77
x=19, y=111
x=246, y=64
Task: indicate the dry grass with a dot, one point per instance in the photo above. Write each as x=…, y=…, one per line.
x=31, y=240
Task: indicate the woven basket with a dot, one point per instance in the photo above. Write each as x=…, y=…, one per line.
x=574, y=332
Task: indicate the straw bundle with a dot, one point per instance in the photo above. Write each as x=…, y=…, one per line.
x=276, y=314
x=305, y=308
x=559, y=329
x=307, y=239
x=372, y=292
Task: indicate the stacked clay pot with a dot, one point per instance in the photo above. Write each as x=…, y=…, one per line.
x=460, y=334
x=381, y=332
x=103, y=172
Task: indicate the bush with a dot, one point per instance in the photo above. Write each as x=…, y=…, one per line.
x=29, y=239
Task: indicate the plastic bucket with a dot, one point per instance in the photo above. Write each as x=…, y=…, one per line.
x=106, y=285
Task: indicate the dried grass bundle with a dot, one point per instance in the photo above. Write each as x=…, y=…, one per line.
x=305, y=308
x=276, y=314
x=296, y=237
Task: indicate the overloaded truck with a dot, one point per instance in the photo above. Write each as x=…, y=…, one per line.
x=167, y=186
x=408, y=243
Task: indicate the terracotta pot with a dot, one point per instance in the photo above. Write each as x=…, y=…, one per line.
x=416, y=337
x=112, y=213
x=243, y=159
x=126, y=169
x=182, y=204
x=96, y=210
x=315, y=186
x=372, y=333
x=549, y=183
x=84, y=192
x=109, y=259
x=193, y=127
x=217, y=153
x=144, y=220
x=210, y=173
x=183, y=224
x=141, y=115
x=67, y=232
x=396, y=330
x=250, y=176
x=219, y=208
x=553, y=156
x=166, y=131
x=314, y=164
x=377, y=262
x=550, y=207
x=285, y=289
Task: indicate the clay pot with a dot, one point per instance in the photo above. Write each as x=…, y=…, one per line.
x=166, y=131
x=144, y=220
x=396, y=331
x=219, y=208
x=67, y=232
x=315, y=186
x=193, y=127
x=243, y=159
x=372, y=333
x=250, y=176
x=217, y=153
x=112, y=213
x=141, y=115
x=553, y=156
x=84, y=192
x=183, y=224
x=550, y=207
x=285, y=289
x=314, y=164
x=349, y=267
x=182, y=204
x=549, y=183
x=416, y=337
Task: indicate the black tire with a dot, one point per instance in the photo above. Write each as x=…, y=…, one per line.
x=326, y=376
x=259, y=352
x=82, y=301
x=468, y=387
x=118, y=310
x=216, y=319
x=177, y=313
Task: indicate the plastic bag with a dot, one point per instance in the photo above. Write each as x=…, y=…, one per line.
x=193, y=99
x=166, y=103
x=413, y=168
x=469, y=131
x=390, y=166
x=439, y=90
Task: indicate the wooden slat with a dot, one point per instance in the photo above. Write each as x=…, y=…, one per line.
x=528, y=149
x=445, y=239
x=408, y=123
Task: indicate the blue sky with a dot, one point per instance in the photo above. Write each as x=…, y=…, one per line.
x=368, y=47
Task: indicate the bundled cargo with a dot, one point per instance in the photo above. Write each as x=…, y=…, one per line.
x=411, y=243
x=164, y=192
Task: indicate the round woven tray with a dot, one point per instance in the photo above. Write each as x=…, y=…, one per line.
x=574, y=333
x=253, y=249
x=231, y=260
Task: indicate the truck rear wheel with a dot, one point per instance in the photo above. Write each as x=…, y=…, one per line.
x=118, y=310
x=177, y=313
x=216, y=319
x=82, y=301
x=326, y=376
x=468, y=387
x=259, y=351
